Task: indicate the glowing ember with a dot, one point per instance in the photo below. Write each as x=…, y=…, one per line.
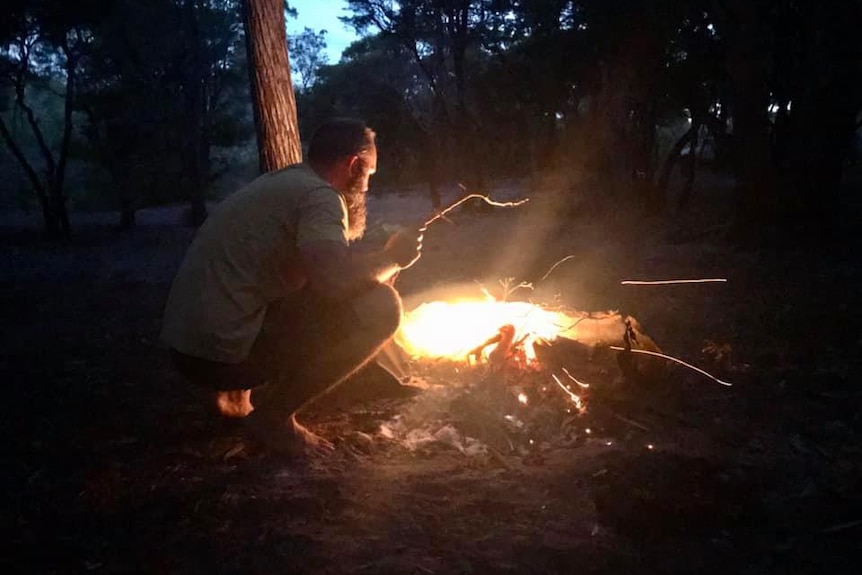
x=452, y=330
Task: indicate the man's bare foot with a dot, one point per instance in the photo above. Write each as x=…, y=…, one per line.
x=234, y=403
x=312, y=444
x=289, y=437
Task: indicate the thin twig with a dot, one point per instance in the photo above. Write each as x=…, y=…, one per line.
x=576, y=380
x=842, y=526
x=670, y=358
x=454, y=205
x=668, y=282
x=507, y=290
x=553, y=267
x=499, y=457
x=575, y=399
x=631, y=422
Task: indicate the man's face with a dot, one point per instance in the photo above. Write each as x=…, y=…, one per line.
x=355, y=191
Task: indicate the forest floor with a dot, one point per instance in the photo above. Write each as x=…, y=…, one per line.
x=112, y=465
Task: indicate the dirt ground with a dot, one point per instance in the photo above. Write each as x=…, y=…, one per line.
x=111, y=465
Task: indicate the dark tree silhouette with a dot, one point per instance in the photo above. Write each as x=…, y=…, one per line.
x=47, y=42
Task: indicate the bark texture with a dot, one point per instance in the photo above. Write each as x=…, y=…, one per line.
x=273, y=99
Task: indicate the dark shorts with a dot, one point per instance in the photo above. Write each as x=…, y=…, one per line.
x=295, y=332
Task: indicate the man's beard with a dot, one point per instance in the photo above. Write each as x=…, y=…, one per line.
x=356, y=210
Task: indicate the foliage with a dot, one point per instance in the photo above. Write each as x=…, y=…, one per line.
x=614, y=95
x=590, y=86
x=440, y=37
x=42, y=46
x=165, y=73
x=157, y=84
x=547, y=81
x=377, y=81
x=307, y=56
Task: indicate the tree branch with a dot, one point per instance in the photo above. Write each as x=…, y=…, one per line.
x=28, y=111
x=22, y=160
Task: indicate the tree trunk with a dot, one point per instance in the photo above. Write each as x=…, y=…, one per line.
x=127, y=214
x=748, y=54
x=469, y=154
x=30, y=171
x=58, y=195
x=193, y=105
x=691, y=169
x=273, y=98
x=689, y=139
x=49, y=194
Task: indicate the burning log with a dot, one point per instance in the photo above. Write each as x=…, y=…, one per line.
x=502, y=342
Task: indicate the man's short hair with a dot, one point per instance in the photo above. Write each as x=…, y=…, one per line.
x=339, y=137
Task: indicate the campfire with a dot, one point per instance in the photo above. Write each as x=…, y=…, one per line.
x=514, y=375
x=513, y=338
x=485, y=329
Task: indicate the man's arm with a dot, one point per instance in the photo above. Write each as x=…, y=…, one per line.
x=337, y=272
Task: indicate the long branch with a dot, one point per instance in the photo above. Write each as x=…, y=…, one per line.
x=454, y=205
x=669, y=282
x=671, y=358
x=553, y=267
x=32, y=121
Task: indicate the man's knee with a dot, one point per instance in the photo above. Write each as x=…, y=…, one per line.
x=379, y=310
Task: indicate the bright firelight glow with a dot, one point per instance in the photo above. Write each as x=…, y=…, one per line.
x=452, y=330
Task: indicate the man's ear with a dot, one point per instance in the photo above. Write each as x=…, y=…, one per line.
x=355, y=165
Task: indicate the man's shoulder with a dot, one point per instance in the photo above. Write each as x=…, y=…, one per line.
x=307, y=187
x=297, y=175
x=277, y=194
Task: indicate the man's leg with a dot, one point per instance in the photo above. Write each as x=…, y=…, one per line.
x=224, y=385
x=342, y=341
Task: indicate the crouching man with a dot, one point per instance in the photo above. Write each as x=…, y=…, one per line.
x=272, y=306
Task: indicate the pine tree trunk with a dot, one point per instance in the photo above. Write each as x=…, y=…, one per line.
x=271, y=87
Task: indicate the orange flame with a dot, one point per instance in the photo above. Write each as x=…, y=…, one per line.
x=451, y=330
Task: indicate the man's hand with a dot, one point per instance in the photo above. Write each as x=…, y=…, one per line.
x=337, y=272
x=404, y=247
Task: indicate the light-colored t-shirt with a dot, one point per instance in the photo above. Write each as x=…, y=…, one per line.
x=244, y=257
